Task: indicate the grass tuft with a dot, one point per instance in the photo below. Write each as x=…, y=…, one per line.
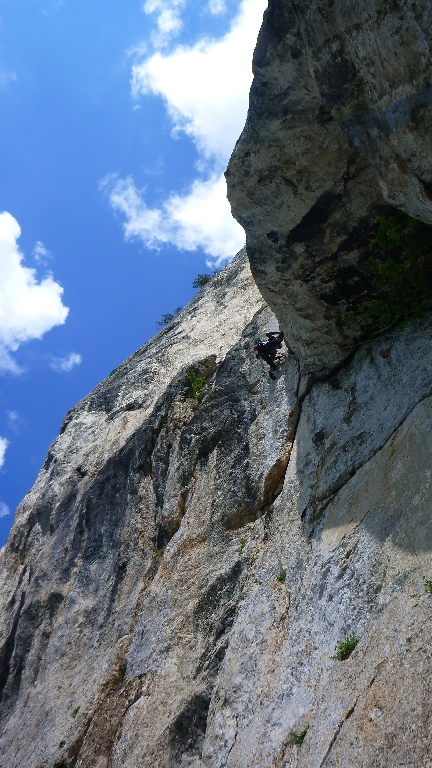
x=345, y=647
x=297, y=738
x=242, y=546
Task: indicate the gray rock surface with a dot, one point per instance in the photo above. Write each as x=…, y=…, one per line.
x=338, y=133
x=189, y=566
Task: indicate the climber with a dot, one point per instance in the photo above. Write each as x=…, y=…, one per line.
x=268, y=351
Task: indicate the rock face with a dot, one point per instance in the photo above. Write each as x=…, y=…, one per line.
x=176, y=582
x=177, y=579
x=338, y=134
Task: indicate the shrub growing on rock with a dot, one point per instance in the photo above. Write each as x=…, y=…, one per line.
x=402, y=273
x=200, y=281
x=345, y=647
x=196, y=385
x=168, y=317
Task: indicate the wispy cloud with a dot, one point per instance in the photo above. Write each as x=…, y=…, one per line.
x=205, y=88
x=4, y=509
x=7, y=362
x=55, y=6
x=168, y=19
x=217, y=7
x=41, y=254
x=13, y=420
x=65, y=364
x=28, y=308
x=3, y=445
x=6, y=77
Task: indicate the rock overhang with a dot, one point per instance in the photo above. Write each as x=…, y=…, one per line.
x=337, y=136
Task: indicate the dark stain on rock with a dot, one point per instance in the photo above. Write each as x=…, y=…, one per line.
x=188, y=730
x=312, y=224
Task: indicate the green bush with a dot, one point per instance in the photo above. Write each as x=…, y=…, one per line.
x=75, y=711
x=402, y=274
x=281, y=576
x=168, y=317
x=200, y=281
x=427, y=584
x=297, y=738
x=196, y=385
x=345, y=647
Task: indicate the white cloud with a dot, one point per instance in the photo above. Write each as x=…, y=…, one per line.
x=206, y=87
x=4, y=509
x=28, y=308
x=7, y=363
x=217, y=6
x=14, y=420
x=41, y=254
x=201, y=219
x=169, y=22
x=65, y=364
x=206, y=90
x=3, y=445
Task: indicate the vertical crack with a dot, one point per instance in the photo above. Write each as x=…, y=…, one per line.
x=234, y=741
x=337, y=731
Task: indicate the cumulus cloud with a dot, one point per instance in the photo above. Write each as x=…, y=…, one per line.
x=3, y=445
x=65, y=364
x=205, y=88
x=201, y=219
x=4, y=509
x=28, y=308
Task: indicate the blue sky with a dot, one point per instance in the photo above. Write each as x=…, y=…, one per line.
x=118, y=118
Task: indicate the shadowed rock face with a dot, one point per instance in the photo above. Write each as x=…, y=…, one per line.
x=338, y=133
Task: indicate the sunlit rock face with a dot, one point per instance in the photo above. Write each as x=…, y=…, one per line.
x=339, y=133
x=176, y=581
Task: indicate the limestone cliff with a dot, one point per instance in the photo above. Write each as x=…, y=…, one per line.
x=338, y=134
x=176, y=582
